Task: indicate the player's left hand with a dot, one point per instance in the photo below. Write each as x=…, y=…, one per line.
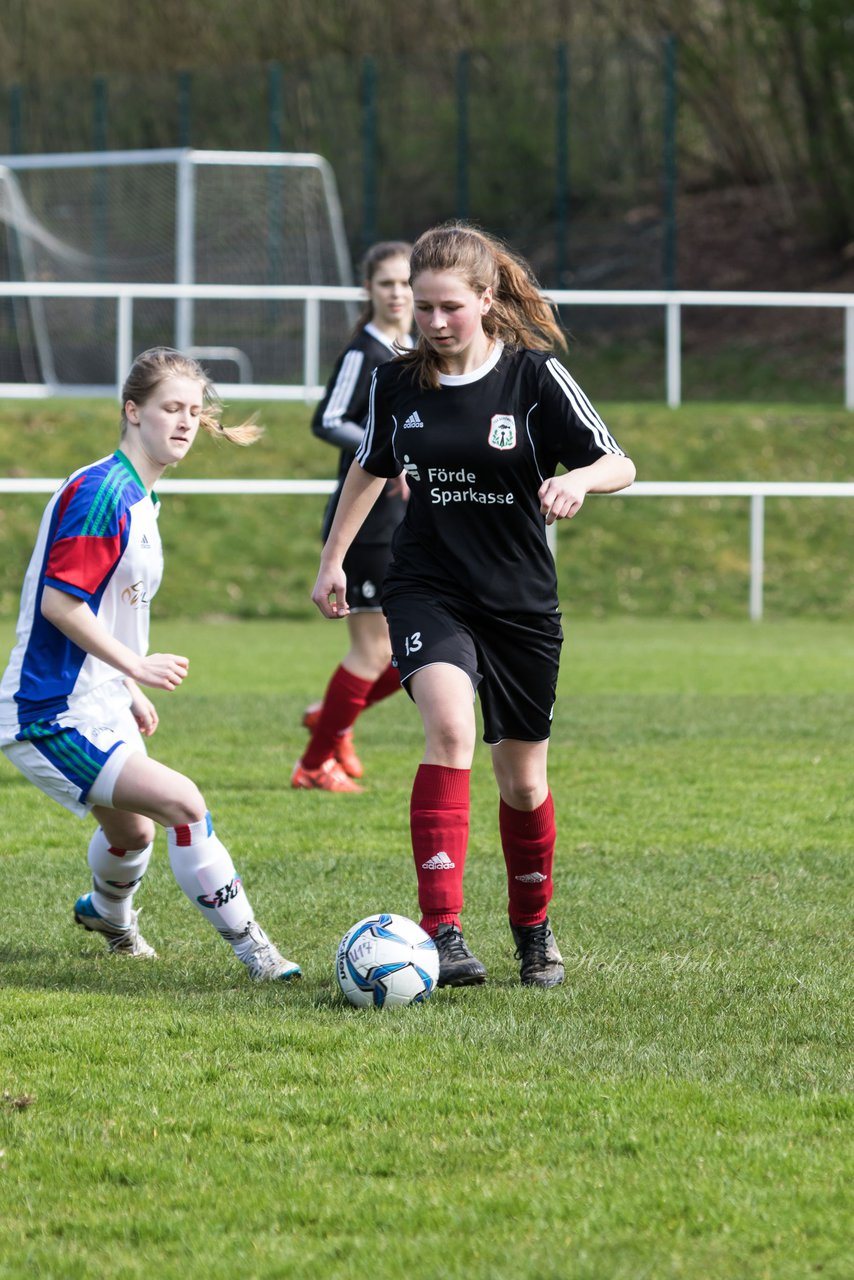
x=561, y=497
x=143, y=710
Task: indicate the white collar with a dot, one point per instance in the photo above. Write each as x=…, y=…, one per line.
x=391, y=343
x=460, y=379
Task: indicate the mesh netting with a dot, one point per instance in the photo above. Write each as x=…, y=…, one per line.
x=118, y=222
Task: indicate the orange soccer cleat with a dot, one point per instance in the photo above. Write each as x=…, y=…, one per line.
x=345, y=751
x=345, y=754
x=328, y=777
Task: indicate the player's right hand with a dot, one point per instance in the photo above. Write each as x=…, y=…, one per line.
x=330, y=591
x=162, y=670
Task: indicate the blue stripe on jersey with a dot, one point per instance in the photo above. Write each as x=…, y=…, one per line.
x=582, y=407
x=72, y=755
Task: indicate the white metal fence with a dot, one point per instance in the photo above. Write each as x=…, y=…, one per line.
x=756, y=491
x=124, y=295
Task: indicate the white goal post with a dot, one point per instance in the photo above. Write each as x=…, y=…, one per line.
x=178, y=217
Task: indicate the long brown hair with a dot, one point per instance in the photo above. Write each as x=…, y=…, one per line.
x=152, y=367
x=371, y=263
x=519, y=316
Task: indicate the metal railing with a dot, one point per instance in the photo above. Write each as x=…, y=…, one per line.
x=671, y=301
x=756, y=490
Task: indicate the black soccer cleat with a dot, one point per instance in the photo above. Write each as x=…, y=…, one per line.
x=458, y=966
x=541, y=964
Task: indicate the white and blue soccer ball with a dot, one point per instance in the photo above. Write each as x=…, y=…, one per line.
x=387, y=961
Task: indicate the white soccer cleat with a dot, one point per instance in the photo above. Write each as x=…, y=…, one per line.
x=264, y=962
x=122, y=940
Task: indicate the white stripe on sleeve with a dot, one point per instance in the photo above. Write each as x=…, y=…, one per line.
x=582, y=407
x=368, y=438
x=342, y=393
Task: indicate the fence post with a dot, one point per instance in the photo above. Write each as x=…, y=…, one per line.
x=185, y=250
x=311, y=344
x=670, y=164
x=275, y=107
x=16, y=120
x=100, y=191
x=369, y=152
x=757, y=554
x=185, y=107
x=674, y=354
x=849, y=357
x=463, y=133
x=562, y=163
x=275, y=185
x=124, y=338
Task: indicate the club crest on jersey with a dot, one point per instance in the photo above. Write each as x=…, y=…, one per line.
x=502, y=431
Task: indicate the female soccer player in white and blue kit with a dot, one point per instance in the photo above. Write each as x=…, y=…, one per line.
x=72, y=714
x=479, y=417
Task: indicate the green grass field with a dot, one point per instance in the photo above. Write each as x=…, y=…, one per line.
x=682, y=1107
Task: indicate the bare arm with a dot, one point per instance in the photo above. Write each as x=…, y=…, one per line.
x=562, y=497
x=142, y=709
x=73, y=617
x=358, y=496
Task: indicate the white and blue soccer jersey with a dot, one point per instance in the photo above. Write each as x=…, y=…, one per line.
x=98, y=540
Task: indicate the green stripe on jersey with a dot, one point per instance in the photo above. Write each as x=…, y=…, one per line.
x=105, y=503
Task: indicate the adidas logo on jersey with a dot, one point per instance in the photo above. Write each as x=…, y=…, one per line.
x=144, y=543
x=439, y=862
x=533, y=877
x=412, y=421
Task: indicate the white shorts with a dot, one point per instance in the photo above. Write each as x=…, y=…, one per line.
x=78, y=765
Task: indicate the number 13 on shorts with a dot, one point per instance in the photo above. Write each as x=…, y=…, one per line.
x=413, y=643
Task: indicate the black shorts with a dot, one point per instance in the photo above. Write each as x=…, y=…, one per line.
x=366, y=566
x=512, y=659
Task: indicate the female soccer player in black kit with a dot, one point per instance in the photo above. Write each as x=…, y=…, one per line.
x=365, y=675
x=478, y=416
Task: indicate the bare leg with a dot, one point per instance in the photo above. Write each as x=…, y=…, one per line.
x=370, y=648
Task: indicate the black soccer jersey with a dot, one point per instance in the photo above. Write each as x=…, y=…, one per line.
x=475, y=452
x=339, y=419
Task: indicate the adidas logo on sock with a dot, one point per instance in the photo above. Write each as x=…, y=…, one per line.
x=533, y=877
x=439, y=862
x=413, y=421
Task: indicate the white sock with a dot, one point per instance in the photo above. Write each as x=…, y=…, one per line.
x=116, y=874
x=203, y=868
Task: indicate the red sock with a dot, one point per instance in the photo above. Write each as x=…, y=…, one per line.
x=384, y=686
x=439, y=821
x=528, y=840
x=345, y=697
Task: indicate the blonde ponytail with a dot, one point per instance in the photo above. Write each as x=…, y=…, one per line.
x=151, y=367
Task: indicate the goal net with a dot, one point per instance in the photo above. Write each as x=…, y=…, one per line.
x=163, y=217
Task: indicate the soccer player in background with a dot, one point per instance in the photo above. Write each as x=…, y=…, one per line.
x=365, y=675
x=478, y=416
x=72, y=714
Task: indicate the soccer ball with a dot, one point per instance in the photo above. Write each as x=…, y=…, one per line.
x=387, y=961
